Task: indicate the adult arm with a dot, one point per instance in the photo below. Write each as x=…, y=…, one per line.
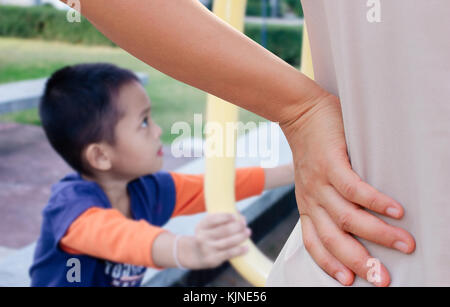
x=185, y=40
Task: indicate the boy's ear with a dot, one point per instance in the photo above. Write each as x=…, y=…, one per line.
x=97, y=157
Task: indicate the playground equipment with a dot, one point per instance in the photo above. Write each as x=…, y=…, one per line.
x=254, y=266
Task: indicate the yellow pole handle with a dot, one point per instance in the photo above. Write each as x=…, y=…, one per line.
x=220, y=162
x=307, y=64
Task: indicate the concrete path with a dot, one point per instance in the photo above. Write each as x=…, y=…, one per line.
x=21, y=95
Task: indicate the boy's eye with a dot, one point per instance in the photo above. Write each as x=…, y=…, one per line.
x=145, y=122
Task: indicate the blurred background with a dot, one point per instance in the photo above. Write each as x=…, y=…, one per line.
x=36, y=39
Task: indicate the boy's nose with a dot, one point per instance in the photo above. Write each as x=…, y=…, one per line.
x=158, y=131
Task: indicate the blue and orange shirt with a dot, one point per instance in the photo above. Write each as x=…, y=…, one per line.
x=81, y=231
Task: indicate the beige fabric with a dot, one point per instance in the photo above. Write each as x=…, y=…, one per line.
x=393, y=79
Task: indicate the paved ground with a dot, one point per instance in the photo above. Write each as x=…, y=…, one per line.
x=28, y=168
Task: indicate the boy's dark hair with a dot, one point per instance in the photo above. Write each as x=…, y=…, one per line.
x=79, y=108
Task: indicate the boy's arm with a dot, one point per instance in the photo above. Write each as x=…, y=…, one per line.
x=279, y=176
x=108, y=234
x=189, y=189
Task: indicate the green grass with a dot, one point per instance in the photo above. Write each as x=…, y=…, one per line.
x=172, y=101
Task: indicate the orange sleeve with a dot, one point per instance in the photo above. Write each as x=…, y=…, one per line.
x=190, y=198
x=249, y=182
x=108, y=234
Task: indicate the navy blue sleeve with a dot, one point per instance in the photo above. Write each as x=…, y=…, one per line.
x=155, y=197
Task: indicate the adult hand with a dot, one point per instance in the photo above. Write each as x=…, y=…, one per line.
x=332, y=199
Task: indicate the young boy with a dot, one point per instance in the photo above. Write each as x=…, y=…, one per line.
x=102, y=224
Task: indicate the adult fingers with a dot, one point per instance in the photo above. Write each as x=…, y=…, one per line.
x=347, y=249
x=351, y=218
x=322, y=256
x=350, y=185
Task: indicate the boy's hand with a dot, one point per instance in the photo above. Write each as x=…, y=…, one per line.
x=218, y=238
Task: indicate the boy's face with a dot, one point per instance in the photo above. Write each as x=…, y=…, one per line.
x=138, y=149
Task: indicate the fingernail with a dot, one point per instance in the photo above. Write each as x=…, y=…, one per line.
x=393, y=212
x=401, y=246
x=341, y=277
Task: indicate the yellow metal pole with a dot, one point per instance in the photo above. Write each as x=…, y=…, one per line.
x=220, y=164
x=307, y=65
x=220, y=149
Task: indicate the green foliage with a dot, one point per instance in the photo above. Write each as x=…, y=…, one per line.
x=283, y=41
x=295, y=6
x=47, y=23
x=254, y=7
